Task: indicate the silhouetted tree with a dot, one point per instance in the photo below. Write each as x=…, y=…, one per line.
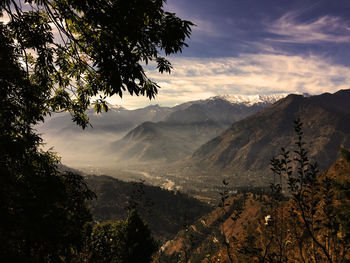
x=98, y=49
x=123, y=241
x=312, y=220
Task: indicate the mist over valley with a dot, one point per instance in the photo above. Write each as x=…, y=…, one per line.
x=193, y=146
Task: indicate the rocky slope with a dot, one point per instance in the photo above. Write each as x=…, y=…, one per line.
x=222, y=236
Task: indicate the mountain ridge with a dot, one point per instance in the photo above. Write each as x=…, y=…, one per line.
x=182, y=131
x=250, y=143
x=250, y=100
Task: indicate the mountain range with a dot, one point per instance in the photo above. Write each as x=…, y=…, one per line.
x=207, y=140
x=248, y=145
x=86, y=148
x=185, y=129
x=153, y=133
x=116, y=120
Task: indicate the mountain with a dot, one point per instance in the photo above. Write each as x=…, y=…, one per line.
x=92, y=147
x=165, y=211
x=251, y=100
x=82, y=148
x=117, y=119
x=165, y=142
x=186, y=128
x=248, y=145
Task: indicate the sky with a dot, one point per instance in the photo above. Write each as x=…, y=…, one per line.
x=248, y=47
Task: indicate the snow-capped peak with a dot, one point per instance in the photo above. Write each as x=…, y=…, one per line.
x=114, y=106
x=250, y=100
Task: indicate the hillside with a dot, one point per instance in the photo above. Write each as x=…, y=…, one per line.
x=184, y=130
x=222, y=236
x=248, y=145
x=163, y=142
x=165, y=211
x=203, y=241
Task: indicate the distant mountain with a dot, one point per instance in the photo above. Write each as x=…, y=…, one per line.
x=82, y=148
x=117, y=119
x=186, y=128
x=250, y=100
x=163, y=141
x=248, y=145
x=215, y=109
x=165, y=211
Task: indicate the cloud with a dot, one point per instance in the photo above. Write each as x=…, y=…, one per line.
x=324, y=29
x=248, y=74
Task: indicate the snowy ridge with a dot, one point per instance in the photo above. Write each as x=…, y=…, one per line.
x=111, y=108
x=115, y=106
x=250, y=100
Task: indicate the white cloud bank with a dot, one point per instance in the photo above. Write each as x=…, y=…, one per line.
x=249, y=74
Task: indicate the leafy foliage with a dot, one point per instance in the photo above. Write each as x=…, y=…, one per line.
x=121, y=241
x=43, y=211
x=100, y=48
x=310, y=224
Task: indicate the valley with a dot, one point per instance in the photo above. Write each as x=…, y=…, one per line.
x=176, y=154
x=173, y=152
x=179, y=157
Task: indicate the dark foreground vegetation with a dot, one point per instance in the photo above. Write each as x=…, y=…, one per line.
x=165, y=211
x=98, y=50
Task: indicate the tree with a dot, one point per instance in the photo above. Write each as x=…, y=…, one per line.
x=43, y=211
x=307, y=221
x=99, y=51
x=313, y=224
x=122, y=241
x=223, y=207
